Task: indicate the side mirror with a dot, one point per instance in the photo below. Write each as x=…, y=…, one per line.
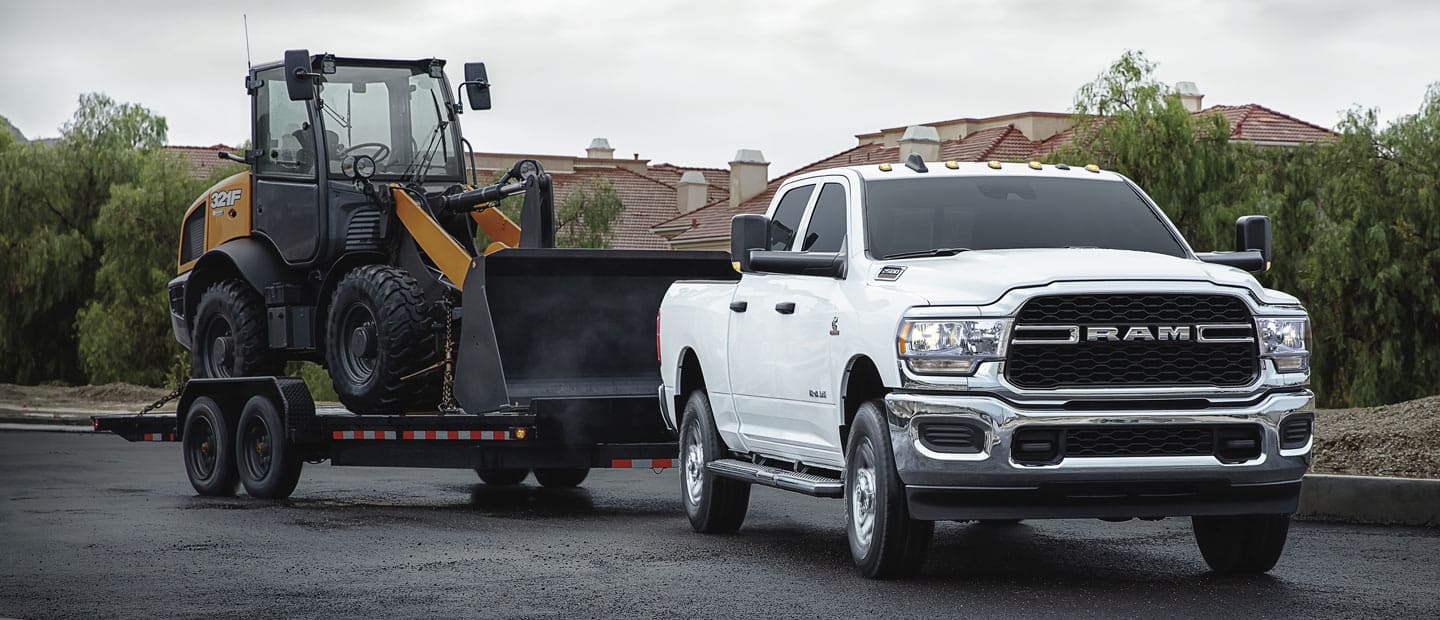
x=477, y=86
x=747, y=232
x=1252, y=246
x=297, y=75
x=828, y=264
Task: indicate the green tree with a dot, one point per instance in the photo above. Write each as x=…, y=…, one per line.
x=584, y=219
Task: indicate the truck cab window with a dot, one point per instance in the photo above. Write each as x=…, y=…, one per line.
x=826, y=230
x=787, y=217
x=282, y=130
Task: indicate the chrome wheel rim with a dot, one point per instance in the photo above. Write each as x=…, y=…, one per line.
x=862, y=498
x=694, y=469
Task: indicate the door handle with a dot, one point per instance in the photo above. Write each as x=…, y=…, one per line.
x=785, y=307
x=738, y=306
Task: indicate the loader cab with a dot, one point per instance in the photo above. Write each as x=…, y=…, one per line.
x=313, y=116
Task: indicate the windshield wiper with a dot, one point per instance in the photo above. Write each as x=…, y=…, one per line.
x=922, y=253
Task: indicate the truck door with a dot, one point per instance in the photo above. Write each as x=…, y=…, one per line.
x=755, y=326
x=286, y=198
x=805, y=400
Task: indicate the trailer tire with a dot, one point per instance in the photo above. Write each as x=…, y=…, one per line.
x=498, y=477
x=715, y=505
x=884, y=541
x=562, y=477
x=1241, y=545
x=269, y=465
x=378, y=330
x=206, y=447
x=229, y=337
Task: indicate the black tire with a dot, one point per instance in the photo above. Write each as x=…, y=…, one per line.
x=228, y=338
x=269, y=466
x=715, y=505
x=884, y=541
x=207, y=448
x=502, y=477
x=1241, y=545
x=378, y=330
x=561, y=478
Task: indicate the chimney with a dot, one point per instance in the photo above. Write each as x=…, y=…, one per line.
x=691, y=191
x=600, y=149
x=922, y=139
x=749, y=173
x=1190, y=96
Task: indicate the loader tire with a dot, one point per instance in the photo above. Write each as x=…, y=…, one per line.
x=379, y=330
x=229, y=338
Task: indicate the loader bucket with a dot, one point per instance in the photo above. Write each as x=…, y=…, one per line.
x=567, y=323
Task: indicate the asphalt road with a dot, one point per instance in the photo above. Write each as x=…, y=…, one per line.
x=92, y=526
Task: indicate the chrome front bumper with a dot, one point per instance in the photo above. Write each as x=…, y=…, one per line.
x=990, y=484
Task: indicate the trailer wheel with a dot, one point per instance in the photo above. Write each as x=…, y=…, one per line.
x=715, y=505
x=561, y=478
x=1241, y=545
x=377, y=332
x=884, y=541
x=229, y=338
x=269, y=465
x=496, y=477
x=206, y=446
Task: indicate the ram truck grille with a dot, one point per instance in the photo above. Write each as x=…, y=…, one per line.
x=1163, y=358
x=1230, y=443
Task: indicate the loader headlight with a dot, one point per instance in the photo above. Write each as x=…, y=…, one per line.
x=1286, y=341
x=951, y=346
x=358, y=167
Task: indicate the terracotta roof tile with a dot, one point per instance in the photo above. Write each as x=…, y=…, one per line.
x=1256, y=123
x=201, y=161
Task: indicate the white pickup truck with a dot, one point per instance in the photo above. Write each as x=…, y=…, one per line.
x=987, y=342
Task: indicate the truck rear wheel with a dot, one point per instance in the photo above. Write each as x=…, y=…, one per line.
x=1241, y=545
x=229, y=338
x=561, y=478
x=377, y=332
x=269, y=465
x=206, y=446
x=884, y=541
x=501, y=477
x=715, y=505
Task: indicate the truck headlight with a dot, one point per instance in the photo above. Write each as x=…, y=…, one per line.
x=951, y=346
x=1286, y=341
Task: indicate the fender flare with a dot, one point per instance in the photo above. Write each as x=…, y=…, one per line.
x=248, y=258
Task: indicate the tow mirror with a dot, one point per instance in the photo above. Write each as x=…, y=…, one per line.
x=1252, y=246
x=477, y=86
x=828, y=264
x=297, y=75
x=747, y=233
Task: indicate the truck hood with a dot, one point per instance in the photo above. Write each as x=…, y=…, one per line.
x=981, y=277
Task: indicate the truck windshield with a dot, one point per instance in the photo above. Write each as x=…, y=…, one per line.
x=395, y=114
x=905, y=216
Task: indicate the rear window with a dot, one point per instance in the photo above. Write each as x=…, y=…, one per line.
x=1006, y=212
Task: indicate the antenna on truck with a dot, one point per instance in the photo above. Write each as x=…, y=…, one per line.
x=245, y=18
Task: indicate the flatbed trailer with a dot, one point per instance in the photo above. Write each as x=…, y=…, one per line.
x=555, y=372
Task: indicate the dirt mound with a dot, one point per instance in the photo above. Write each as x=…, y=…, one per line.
x=1390, y=440
x=108, y=396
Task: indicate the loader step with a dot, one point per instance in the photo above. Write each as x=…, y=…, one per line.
x=809, y=484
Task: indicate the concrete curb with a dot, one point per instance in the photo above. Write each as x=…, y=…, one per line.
x=1370, y=499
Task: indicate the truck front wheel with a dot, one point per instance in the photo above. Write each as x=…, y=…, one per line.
x=714, y=505
x=1241, y=545
x=884, y=541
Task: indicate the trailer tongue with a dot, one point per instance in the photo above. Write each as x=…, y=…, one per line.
x=555, y=371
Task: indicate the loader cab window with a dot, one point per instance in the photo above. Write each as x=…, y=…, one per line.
x=282, y=130
x=396, y=114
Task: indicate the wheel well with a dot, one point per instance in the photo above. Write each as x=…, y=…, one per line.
x=206, y=272
x=691, y=379
x=862, y=383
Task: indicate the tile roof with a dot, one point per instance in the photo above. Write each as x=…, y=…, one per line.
x=1253, y=122
x=649, y=198
x=202, y=161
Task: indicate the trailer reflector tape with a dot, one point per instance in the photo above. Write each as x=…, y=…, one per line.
x=363, y=435
x=642, y=463
x=459, y=435
x=157, y=437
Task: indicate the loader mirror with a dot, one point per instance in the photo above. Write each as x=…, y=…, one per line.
x=477, y=86
x=747, y=233
x=297, y=75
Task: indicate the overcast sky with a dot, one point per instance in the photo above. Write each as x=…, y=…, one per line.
x=691, y=82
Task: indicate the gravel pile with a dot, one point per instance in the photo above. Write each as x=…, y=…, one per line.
x=1390, y=440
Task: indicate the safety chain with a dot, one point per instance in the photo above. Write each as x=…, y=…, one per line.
x=447, y=389
x=165, y=399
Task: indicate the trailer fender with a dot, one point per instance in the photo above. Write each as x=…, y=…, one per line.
x=289, y=394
